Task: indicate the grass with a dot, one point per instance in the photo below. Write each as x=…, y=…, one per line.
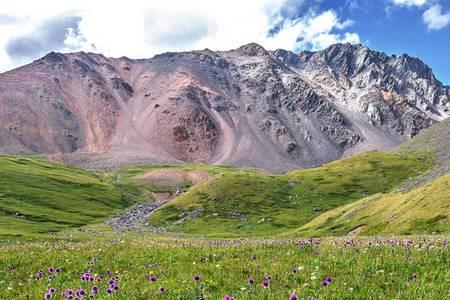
x=425, y=209
x=39, y=197
x=360, y=269
x=435, y=138
x=246, y=202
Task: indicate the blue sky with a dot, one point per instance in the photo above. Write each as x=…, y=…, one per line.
x=142, y=28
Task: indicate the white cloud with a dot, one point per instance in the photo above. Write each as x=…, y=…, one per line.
x=143, y=28
x=435, y=19
x=410, y=2
x=313, y=32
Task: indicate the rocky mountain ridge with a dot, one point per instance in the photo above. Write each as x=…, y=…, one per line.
x=274, y=110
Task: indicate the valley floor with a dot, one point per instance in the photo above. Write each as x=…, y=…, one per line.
x=132, y=268
x=65, y=229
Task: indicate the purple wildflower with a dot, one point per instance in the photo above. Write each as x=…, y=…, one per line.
x=47, y=296
x=197, y=278
x=250, y=281
x=324, y=283
x=51, y=290
x=293, y=297
x=153, y=279
x=414, y=276
x=162, y=289
x=94, y=289
x=265, y=284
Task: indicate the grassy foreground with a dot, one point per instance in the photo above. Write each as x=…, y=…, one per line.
x=245, y=202
x=140, y=269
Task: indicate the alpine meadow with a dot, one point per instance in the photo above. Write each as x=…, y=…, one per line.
x=225, y=150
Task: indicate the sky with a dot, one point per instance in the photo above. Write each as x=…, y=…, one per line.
x=142, y=28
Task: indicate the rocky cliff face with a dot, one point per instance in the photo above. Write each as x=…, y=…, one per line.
x=247, y=107
x=397, y=96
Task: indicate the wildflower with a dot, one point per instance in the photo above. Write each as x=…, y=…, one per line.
x=324, y=283
x=265, y=284
x=51, y=290
x=109, y=291
x=250, y=281
x=197, y=278
x=227, y=298
x=329, y=279
x=50, y=270
x=47, y=296
x=293, y=297
x=94, y=289
x=162, y=289
x=153, y=279
x=58, y=270
x=269, y=277
x=116, y=287
x=68, y=292
x=414, y=276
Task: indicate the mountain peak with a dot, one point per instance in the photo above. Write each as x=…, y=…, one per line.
x=252, y=49
x=53, y=57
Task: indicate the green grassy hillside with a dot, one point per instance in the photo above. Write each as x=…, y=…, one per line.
x=247, y=202
x=38, y=197
x=425, y=209
x=436, y=139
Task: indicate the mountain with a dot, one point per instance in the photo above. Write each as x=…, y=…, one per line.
x=389, y=98
x=245, y=107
